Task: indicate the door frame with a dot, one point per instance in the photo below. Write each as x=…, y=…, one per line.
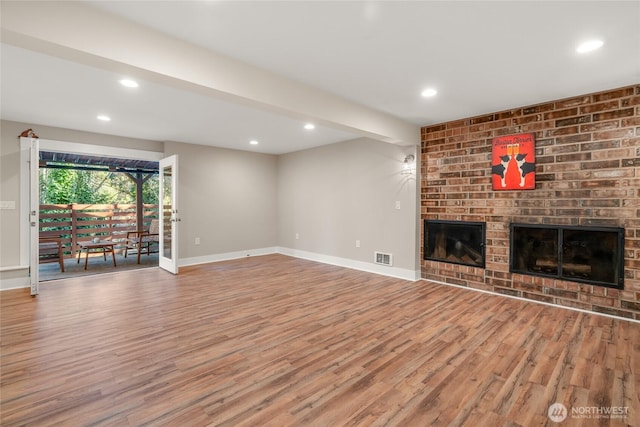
x=27, y=249
x=34, y=214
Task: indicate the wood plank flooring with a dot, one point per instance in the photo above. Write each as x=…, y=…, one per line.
x=279, y=341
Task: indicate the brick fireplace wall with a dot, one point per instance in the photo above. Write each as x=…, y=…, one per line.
x=587, y=173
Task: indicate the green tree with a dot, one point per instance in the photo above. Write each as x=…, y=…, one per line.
x=65, y=186
x=150, y=190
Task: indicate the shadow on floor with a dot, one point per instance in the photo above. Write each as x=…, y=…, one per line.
x=96, y=265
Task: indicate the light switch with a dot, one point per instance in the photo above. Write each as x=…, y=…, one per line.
x=397, y=204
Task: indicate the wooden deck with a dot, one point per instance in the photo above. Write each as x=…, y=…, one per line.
x=97, y=265
x=279, y=341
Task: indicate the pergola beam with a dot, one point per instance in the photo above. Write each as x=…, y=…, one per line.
x=99, y=169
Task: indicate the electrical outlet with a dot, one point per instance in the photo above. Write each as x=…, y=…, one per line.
x=297, y=236
x=357, y=243
x=197, y=240
x=397, y=204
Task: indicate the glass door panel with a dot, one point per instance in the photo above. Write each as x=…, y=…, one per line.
x=169, y=211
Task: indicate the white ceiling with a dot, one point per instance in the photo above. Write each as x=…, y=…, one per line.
x=41, y=89
x=481, y=56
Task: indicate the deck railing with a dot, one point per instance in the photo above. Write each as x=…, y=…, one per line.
x=76, y=222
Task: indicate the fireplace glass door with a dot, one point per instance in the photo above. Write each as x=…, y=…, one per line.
x=457, y=242
x=592, y=255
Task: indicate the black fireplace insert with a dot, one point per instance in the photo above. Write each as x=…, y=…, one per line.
x=456, y=242
x=593, y=255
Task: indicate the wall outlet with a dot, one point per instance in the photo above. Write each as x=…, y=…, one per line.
x=297, y=236
x=357, y=243
x=197, y=240
x=397, y=204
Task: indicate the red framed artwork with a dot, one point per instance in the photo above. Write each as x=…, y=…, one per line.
x=513, y=162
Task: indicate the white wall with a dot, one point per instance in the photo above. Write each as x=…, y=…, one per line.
x=332, y=196
x=241, y=203
x=227, y=198
x=10, y=191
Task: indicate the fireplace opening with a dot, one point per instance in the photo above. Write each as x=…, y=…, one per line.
x=456, y=242
x=593, y=255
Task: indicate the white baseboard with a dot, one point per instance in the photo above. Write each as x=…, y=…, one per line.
x=14, y=283
x=399, y=273
x=226, y=256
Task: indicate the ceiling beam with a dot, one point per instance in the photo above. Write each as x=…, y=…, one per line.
x=81, y=33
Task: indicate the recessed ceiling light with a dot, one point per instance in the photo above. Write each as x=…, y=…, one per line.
x=309, y=126
x=253, y=142
x=128, y=83
x=104, y=118
x=589, y=46
x=429, y=92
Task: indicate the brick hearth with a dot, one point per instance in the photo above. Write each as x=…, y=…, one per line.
x=587, y=173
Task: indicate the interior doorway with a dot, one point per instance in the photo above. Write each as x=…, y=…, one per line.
x=74, y=225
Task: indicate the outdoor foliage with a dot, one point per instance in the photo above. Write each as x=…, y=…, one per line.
x=65, y=186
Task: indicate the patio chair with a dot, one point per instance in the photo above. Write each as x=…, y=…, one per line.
x=50, y=250
x=143, y=241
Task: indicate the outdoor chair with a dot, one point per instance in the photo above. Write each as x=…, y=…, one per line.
x=50, y=250
x=143, y=241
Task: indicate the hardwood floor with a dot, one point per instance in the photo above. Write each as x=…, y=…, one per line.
x=280, y=341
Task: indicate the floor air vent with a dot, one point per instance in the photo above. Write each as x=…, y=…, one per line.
x=383, y=259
